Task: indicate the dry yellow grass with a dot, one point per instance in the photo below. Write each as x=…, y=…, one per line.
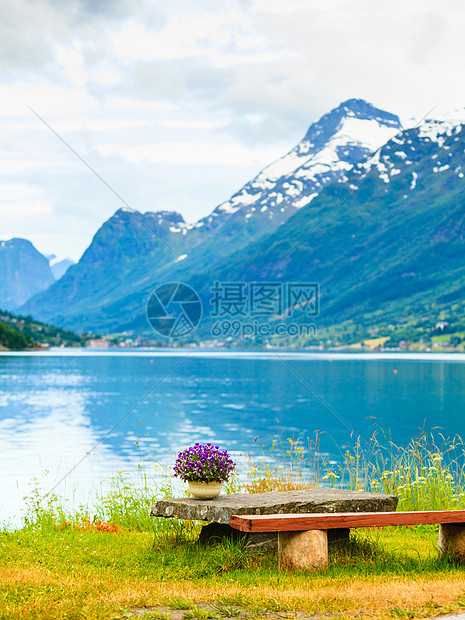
x=375, y=597
x=60, y=580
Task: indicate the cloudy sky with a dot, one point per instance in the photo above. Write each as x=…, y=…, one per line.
x=177, y=103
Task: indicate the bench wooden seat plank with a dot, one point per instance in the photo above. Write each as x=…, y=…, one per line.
x=303, y=538
x=326, y=521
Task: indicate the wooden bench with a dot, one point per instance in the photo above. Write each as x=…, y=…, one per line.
x=303, y=538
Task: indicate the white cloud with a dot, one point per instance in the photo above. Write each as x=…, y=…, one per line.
x=23, y=207
x=12, y=166
x=72, y=63
x=220, y=36
x=189, y=152
x=18, y=200
x=192, y=124
x=105, y=75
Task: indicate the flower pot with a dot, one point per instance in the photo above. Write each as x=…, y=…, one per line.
x=205, y=490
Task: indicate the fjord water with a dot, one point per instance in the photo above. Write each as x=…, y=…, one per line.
x=104, y=412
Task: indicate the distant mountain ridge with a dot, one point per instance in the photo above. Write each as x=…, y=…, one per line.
x=24, y=271
x=59, y=266
x=123, y=258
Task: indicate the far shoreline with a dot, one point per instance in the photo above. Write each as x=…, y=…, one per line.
x=272, y=354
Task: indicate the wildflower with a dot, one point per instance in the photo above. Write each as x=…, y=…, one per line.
x=204, y=463
x=330, y=476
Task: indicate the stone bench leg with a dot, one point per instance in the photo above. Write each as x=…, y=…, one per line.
x=303, y=550
x=452, y=540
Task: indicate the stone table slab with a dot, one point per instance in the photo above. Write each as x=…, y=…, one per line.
x=220, y=509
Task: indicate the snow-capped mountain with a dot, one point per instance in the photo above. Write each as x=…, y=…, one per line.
x=345, y=136
x=385, y=241
x=436, y=137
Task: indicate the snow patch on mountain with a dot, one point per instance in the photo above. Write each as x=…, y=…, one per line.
x=403, y=149
x=347, y=135
x=438, y=130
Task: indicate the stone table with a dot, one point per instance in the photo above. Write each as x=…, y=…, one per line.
x=218, y=511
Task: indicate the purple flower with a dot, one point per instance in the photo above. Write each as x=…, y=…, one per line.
x=204, y=463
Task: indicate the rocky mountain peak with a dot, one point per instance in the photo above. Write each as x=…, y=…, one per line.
x=24, y=271
x=347, y=135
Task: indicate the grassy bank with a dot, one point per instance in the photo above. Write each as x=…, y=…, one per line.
x=117, y=562
x=91, y=574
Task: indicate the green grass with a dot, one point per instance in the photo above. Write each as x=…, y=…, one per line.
x=87, y=574
x=111, y=560
x=428, y=474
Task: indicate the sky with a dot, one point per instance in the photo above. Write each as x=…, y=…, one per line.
x=177, y=103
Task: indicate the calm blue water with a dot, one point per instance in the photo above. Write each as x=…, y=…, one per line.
x=126, y=406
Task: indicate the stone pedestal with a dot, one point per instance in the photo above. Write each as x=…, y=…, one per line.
x=452, y=540
x=303, y=550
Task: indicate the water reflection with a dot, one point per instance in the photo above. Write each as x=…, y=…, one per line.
x=55, y=408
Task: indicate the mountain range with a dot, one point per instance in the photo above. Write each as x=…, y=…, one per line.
x=385, y=241
x=370, y=211
x=24, y=271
